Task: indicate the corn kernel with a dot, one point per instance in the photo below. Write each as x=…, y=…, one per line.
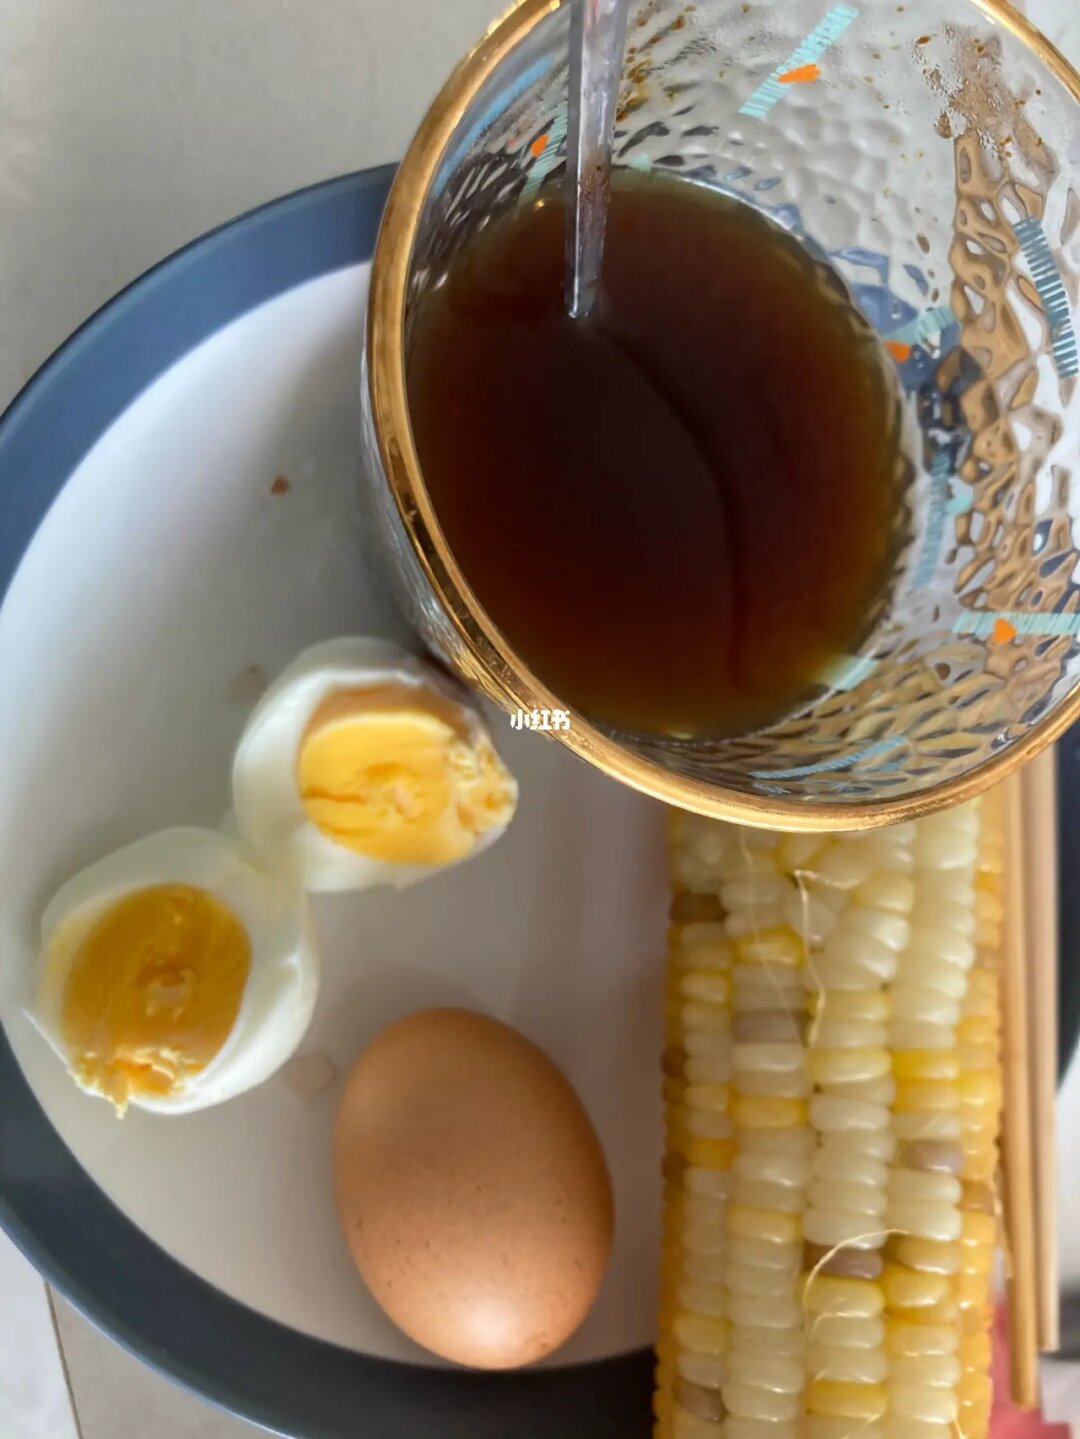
x=756, y=1342
x=689, y=1426
x=920, y=1004
x=846, y=863
x=704, y=1238
x=697, y=1014
x=702, y=1123
x=847, y=1331
x=978, y=1260
x=938, y=1124
x=846, y=1401
x=975, y=1389
x=712, y=1184
x=698, y=1332
x=925, y=1221
x=749, y=1279
x=765, y=1311
x=888, y=890
x=767, y=1371
x=710, y=988
x=685, y=1206
x=849, y=1298
x=795, y=851
x=971, y=1423
x=916, y=1034
x=926, y=1096
x=706, y=1153
x=980, y=1088
x=928, y=1254
x=703, y=936
x=750, y=1111
x=975, y=1351
x=768, y=1056
x=976, y=1029
x=831, y=1426
x=707, y=1096
x=772, y=1084
x=708, y=1370
x=980, y=1124
x=846, y=1066
x=971, y=1290
x=922, y=1401
x=847, y=1365
x=980, y=1162
x=978, y=1228
x=924, y=1186
x=926, y=1064
x=984, y=988
x=938, y=1371
x=912, y=1341
x=941, y=848
x=846, y=1196
x=762, y=1194
x=975, y=1058
x=736, y=1427
x=753, y=1402
x=906, y=1289
x=708, y=1268
x=871, y=1005
x=748, y=1223
x=763, y=986
x=707, y=1069
x=776, y=945
x=700, y=1298
x=830, y=1228
x=973, y=1320
x=831, y=1113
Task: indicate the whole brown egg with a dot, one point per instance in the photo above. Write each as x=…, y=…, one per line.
x=472, y=1189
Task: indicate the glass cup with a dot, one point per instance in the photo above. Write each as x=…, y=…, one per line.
x=930, y=152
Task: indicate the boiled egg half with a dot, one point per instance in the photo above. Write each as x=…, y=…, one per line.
x=362, y=765
x=176, y=973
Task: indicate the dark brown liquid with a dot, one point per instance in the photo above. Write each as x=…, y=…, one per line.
x=678, y=511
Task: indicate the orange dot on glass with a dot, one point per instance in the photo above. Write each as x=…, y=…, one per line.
x=802, y=75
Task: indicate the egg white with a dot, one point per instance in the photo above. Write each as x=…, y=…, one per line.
x=283, y=981
x=268, y=810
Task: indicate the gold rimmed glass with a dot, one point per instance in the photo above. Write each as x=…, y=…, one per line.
x=930, y=153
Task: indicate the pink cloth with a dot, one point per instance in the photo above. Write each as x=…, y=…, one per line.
x=1007, y=1422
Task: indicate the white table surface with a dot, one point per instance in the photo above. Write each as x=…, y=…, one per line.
x=128, y=127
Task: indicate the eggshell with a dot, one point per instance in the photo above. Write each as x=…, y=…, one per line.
x=472, y=1189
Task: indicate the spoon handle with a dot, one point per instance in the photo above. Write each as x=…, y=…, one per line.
x=597, y=37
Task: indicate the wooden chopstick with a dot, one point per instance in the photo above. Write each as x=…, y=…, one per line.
x=1038, y=793
x=1017, y=1148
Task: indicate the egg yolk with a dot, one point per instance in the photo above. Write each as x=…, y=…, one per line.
x=392, y=773
x=153, y=991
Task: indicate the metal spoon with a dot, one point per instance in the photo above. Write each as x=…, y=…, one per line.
x=597, y=37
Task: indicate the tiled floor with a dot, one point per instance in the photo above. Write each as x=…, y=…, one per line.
x=34, y=1397
x=118, y=1397
x=85, y=1386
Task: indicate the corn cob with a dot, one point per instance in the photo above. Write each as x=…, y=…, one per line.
x=832, y=1089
